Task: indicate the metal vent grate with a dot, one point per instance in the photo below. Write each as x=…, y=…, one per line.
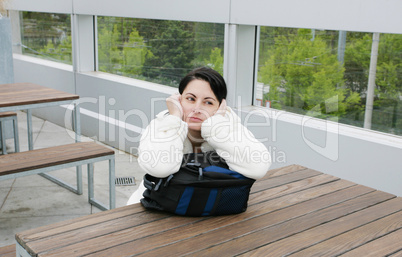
x=125, y=181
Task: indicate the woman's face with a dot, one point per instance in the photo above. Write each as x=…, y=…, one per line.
x=199, y=103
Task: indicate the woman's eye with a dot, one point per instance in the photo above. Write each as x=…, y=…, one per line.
x=190, y=98
x=209, y=103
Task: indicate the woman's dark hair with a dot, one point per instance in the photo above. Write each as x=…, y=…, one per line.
x=215, y=80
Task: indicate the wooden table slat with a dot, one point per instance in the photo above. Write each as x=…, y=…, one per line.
x=77, y=223
x=299, y=185
x=7, y=114
x=285, y=179
x=75, y=237
x=358, y=237
x=282, y=171
x=388, y=245
x=396, y=254
x=7, y=251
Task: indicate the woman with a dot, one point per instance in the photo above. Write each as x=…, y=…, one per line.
x=198, y=120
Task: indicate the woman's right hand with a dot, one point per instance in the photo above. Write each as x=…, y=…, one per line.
x=174, y=105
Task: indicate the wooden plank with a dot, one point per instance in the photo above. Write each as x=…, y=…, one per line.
x=46, y=157
x=73, y=224
x=7, y=114
x=282, y=171
x=396, y=254
x=210, y=231
x=264, y=195
x=8, y=251
x=28, y=93
x=107, y=240
x=144, y=223
x=359, y=236
x=282, y=180
x=388, y=245
x=323, y=232
x=261, y=233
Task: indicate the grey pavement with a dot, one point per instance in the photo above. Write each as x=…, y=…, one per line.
x=33, y=201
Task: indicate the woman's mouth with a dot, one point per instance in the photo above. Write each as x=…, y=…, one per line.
x=195, y=119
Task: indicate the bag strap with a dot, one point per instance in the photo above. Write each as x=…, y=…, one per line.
x=153, y=183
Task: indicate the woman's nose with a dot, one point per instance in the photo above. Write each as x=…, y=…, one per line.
x=197, y=108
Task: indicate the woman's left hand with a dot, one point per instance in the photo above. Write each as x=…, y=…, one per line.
x=222, y=108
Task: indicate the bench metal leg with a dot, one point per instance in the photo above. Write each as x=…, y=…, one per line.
x=14, y=121
x=16, y=136
x=112, y=185
x=20, y=251
x=3, y=137
x=77, y=127
x=112, y=192
x=77, y=189
x=77, y=122
x=79, y=179
x=29, y=127
x=91, y=182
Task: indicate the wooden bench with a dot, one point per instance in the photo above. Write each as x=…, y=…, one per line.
x=8, y=251
x=59, y=157
x=12, y=116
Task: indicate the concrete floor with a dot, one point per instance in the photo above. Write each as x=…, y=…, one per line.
x=33, y=201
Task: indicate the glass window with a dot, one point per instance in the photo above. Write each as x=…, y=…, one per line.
x=158, y=51
x=47, y=36
x=325, y=74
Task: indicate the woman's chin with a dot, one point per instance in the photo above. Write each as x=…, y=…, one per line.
x=194, y=126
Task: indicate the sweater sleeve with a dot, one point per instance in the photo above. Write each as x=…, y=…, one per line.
x=236, y=144
x=161, y=146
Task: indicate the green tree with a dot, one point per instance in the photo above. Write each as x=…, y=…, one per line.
x=389, y=67
x=43, y=33
x=215, y=60
x=61, y=52
x=171, y=50
x=109, y=55
x=303, y=73
x=134, y=53
x=357, y=61
x=387, y=104
x=207, y=36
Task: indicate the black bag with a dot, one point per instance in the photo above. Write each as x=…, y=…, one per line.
x=203, y=186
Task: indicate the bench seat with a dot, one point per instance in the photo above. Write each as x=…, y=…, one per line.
x=8, y=251
x=48, y=159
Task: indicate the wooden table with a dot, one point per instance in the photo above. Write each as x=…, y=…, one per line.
x=292, y=211
x=28, y=96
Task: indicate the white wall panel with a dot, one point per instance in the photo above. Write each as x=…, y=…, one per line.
x=46, y=73
x=116, y=109
x=186, y=10
x=352, y=15
x=52, y=6
x=49, y=74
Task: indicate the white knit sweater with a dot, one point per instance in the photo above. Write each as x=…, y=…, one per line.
x=164, y=142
